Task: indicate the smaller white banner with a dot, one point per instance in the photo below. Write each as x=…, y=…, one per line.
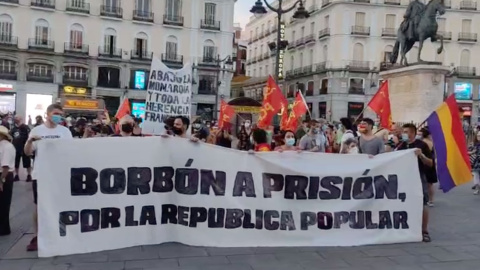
x=169, y=93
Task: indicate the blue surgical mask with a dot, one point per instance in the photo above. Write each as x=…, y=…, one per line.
x=324, y=128
x=405, y=137
x=57, y=119
x=290, y=141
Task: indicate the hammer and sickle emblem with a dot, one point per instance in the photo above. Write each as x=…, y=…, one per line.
x=268, y=92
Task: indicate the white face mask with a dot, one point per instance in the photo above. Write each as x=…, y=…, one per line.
x=353, y=150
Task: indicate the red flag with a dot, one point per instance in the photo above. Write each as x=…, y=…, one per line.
x=284, y=121
x=226, y=114
x=299, y=108
x=380, y=104
x=123, y=110
x=273, y=102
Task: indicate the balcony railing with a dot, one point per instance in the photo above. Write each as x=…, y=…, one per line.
x=141, y=55
x=210, y=24
x=359, y=65
x=266, y=55
x=169, y=19
x=78, y=6
x=389, y=32
x=307, y=70
x=8, y=75
x=471, y=37
x=326, y=3
x=445, y=35
x=356, y=91
x=291, y=45
x=172, y=58
x=9, y=1
x=208, y=60
x=392, y=2
x=361, y=1
x=41, y=44
x=360, y=30
x=309, y=38
x=207, y=90
x=254, y=59
x=465, y=71
x=320, y=67
x=324, y=33
x=111, y=52
x=80, y=78
x=300, y=42
x=468, y=5
x=8, y=41
x=109, y=11
x=39, y=77
x=43, y=3
x=76, y=48
x=143, y=16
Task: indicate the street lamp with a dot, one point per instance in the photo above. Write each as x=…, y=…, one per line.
x=258, y=10
x=227, y=61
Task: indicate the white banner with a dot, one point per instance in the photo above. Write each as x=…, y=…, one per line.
x=111, y=193
x=169, y=93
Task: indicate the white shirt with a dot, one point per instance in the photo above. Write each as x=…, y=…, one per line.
x=346, y=135
x=7, y=155
x=46, y=133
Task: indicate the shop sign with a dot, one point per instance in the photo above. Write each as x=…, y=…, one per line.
x=81, y=104
x=6, y=87
x=73, y=90
x=246, y=109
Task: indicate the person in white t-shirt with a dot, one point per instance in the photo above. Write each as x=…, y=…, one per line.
x=7, y=164
x=349, y=132
x=51, y=129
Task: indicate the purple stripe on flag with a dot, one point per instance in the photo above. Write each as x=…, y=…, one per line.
x=443, y=173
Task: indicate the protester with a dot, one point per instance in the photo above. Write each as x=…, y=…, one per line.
x=330, y=134
x=350, y=146
x=244, y=143
x=38, y=121
x=409, y=141
x=7, y=163
x=79, y=129
x=431, y=172
x=289, y=142
x=51, y=129
x=349, y=131
x=368, y=143
x=260, y=140
x=180, y=126
x=126, y=127
x=310, y=142
x=223, y=138
x=474, y=152
x=338, y=138
x=392, y=143
x=19, y=133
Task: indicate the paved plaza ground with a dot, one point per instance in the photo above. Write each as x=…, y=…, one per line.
x=455, y=230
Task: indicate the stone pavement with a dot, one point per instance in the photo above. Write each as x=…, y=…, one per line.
x=455, y=229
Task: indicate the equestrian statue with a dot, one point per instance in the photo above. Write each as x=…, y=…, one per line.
x=420, y=23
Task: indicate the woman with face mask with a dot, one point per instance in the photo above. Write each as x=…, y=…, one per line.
x=350, y=146
x=126, y=125
x=289, y=141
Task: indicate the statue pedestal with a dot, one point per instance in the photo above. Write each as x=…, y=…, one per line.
x=415, y=91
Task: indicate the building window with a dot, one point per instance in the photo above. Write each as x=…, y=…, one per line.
x=7, y=66
x=261, y=71
x=108, y=77
x=324, y=87
x=110, y=41
x=76, y=37
x=355, y=110
x=171, y=50
x=322, y=109
x=291, y=91
x=173, y=9
x=6, y=24
x=356, y=86
x=40, y=73
x=206, y=85
x=310, y=88
x=210, y=11
x=139, y=79
x=143, y=6
x=75, y=74
x=209, y=51
x=205, y=111
x=42, y=32
x=141, y=46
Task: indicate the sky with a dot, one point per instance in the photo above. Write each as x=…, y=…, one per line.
x=242, y=11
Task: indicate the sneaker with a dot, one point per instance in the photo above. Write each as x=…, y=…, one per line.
x=16, y=178
x=33, y=246
x=476, y=192
x=430, y=204
x=29, y=178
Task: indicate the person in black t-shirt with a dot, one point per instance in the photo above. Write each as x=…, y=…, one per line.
x=19, y=133
x=425, y=162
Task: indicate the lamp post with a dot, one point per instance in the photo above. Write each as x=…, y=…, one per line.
x=227, y=61
x=301, y=13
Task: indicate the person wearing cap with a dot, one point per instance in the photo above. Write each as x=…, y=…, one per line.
x=7, y=162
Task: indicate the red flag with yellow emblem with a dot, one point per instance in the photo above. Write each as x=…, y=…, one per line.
x=273, y=102
x=380, y=104
x=299, y=108
x=284, y=120
x=226, y=114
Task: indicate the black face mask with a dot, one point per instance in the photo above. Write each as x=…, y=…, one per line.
x=177, y=131
x=127, y=128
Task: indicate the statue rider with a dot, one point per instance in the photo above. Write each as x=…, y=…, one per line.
x=412, y=18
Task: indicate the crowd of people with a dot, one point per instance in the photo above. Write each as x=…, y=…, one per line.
x=18, y=144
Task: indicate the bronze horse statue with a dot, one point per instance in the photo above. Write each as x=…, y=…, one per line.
x=426, y=28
